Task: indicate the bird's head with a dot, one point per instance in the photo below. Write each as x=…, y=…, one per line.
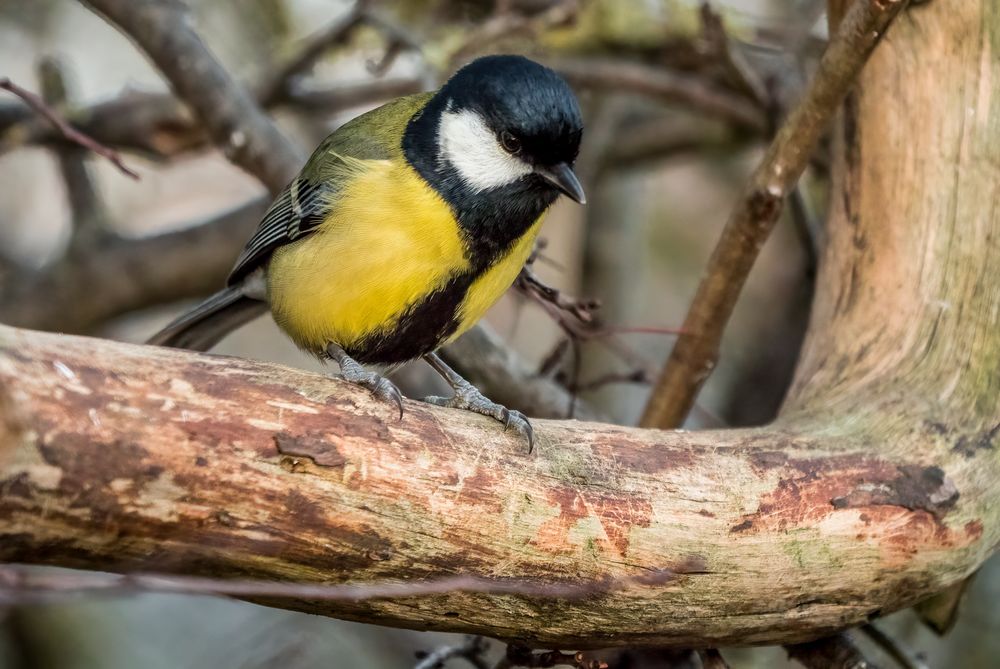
x=501, y=124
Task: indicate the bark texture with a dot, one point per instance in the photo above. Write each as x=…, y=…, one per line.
x=875, y=488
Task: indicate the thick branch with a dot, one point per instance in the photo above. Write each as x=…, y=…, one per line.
x=161, y=464
x=694, y=355
x=119, y=275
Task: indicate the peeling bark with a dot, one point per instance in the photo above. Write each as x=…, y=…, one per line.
x=874, y=489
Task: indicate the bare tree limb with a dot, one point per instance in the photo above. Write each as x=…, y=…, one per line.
x=688, y=90
x=86, y=206
x=68, y=131
x=118, y=275
x=345, y=96
x=236, y=124
x=280, y=84
x=904, y=657
x=154, y=125
x=159, y=127
x=507, y=21
x=696, y=352
x=471, y=651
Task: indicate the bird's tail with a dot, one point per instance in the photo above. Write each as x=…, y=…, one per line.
x=203, y=326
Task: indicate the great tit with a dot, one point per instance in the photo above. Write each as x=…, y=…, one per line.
x=405, y=226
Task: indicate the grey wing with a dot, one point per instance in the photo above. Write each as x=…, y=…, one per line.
x=296, y=212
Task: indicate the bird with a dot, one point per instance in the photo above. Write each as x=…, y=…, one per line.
x=405, y=226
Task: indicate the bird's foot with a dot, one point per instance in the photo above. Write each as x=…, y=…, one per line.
x=381, y=387
x=469, y=398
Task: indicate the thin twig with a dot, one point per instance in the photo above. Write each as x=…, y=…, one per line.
x=344, y=96
x=277, y=87
x=65, y=129
x=696, y=352
x=87, y=208
x=903, y=656
x=471, y=650
x=730, y=56
x=508, y=21
x=636, y=376
x=579, y=321
x=688, y=90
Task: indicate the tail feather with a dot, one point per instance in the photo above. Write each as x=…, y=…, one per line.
x=205, y=325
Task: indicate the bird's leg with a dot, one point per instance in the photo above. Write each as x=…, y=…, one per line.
x=469, y=398
x=352, y=371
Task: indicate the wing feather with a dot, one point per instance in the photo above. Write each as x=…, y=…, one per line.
x=298, y=210
x=309, y=199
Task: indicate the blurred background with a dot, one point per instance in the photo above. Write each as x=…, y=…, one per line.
x=663, y=162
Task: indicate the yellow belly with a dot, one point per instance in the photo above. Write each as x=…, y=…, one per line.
x=388, y=243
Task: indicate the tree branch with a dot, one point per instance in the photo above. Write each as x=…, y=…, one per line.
x=162, y=463
x=236, y=124
x=64, y=128
x=87, y=208
x=688, y=90
x=471, y=650
x=696, y=352
x=280, y=84
x=119, y=275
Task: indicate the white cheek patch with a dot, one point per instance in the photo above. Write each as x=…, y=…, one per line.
x=467, y=143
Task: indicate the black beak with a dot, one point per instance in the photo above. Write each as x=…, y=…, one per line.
x=561, y=176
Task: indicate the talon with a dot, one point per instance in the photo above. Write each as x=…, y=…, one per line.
x=380, y=387
x=469, y=398
x=390, y=392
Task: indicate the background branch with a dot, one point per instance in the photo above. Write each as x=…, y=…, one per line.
x=234, y=121
x=833, y=652
x=697, y=350
x=64, y=128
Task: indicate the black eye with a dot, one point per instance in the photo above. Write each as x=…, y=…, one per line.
x=509, y=142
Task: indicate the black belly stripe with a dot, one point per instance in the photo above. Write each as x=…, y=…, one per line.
x=420, y=330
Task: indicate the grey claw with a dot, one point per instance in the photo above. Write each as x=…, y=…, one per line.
x=380, y=387
x=387, y=391
x=522, y=425
x=470, y=399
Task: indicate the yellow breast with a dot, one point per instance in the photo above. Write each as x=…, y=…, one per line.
x=388, y=241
